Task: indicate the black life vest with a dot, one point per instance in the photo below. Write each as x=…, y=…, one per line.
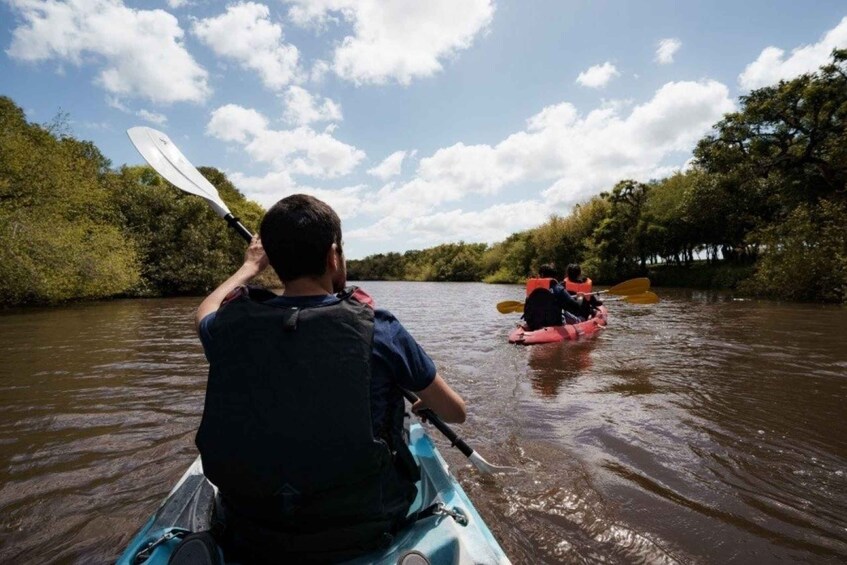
x=542, y=310
x=286, y=433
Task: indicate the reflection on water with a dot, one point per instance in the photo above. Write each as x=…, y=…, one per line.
x=552, y=364
x=701, y=429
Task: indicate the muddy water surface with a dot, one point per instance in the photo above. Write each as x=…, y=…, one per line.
x=699, y=430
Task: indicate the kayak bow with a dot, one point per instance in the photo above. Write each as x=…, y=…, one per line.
x=454, y=534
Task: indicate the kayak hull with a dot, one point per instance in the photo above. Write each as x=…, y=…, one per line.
x=554, y=334
x=442, y=538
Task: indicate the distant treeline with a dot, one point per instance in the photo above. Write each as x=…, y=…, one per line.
x=73, y=228
x=764, y=203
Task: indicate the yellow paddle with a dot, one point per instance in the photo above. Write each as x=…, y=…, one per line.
x=626, y=288
x=509, y=306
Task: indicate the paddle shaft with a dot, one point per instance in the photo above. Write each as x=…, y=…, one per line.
x=236, y=224
x=433, y=418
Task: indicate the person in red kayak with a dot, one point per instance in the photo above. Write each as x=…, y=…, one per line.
x=303, y=423
x=577, y=284
x=548, y=303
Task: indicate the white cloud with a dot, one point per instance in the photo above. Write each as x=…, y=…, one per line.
x=773, y=65
x=130, y=45
x=391, y=166
x=492, y=224
x=597, y=76
x=576, y=155
x=116, y=103
x=666, y=49
x=300, y=151
x=152, y=117
x=246, y=34
x=396, y=39
x=235, y=123
x=267, y=190
x=302, y=108
x=176, y=4
x=566, y=155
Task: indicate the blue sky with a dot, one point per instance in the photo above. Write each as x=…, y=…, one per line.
x=421, y=122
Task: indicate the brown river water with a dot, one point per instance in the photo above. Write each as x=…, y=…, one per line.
x=699, y=430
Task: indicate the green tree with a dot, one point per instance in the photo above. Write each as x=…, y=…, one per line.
x=184, y=247
x=57, y=222
x=805, y=257
x=788, y=143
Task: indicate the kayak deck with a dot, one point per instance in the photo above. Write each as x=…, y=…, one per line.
x=553, y=334
x=442, y=538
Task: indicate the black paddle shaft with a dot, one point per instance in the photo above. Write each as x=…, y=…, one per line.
x=440, y=425
x=236, y=224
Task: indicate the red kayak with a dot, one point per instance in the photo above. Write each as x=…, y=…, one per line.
x=553, y=334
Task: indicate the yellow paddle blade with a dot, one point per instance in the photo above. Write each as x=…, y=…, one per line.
x=643, y=298
x=509, y=306
x=632, y=286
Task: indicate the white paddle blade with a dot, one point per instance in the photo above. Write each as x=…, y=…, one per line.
x=166, y=158
x=489, y=468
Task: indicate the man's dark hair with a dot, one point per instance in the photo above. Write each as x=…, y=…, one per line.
x=296, y=233
x=547, y=271
x=574, y=272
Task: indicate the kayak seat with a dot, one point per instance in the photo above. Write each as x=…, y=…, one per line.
x=199, y=548
x=541, y=310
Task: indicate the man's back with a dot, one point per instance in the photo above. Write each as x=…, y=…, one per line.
x=301, y=239
x=286, y=433
x=541, y=309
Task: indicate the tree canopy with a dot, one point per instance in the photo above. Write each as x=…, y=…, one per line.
x=73, y=228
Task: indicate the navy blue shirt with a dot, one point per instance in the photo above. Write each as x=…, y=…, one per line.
x=397, y=359
x=565, y=301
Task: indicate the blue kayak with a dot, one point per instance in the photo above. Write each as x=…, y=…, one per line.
x=454, y=534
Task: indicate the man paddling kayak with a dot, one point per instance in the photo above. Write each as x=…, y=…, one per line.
x=302, y=427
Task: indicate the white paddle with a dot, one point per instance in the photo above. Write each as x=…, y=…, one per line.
x=166, y=158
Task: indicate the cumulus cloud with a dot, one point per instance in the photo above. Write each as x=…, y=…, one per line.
x=390, y=166
x=297, y=151
x=597, y=76
x=232, y=122
x=773, y=65
x=303, y=108
x=576, y=155
x=267, y=190
x=488, y=225
x=565, y=154
x=246, y=34
x=130, y=46
x=666, y=49
x=396, y=39
x=152, y=117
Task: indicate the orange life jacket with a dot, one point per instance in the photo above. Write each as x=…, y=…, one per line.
x=532, y=284
x=583, y=287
